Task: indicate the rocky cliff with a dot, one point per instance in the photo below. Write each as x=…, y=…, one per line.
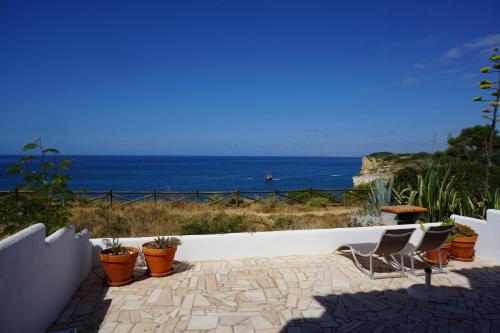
x=384, y=165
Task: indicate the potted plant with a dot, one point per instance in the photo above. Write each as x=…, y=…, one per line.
x=118, y=263
x=462, y=245
x=433, y=256
x=159, y=255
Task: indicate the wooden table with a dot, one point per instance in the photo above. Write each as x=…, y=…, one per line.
x=405, y=214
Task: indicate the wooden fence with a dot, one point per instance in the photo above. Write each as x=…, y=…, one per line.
x=331, y=197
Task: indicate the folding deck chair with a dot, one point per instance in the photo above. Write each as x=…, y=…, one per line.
x=392, y=241
x=433, y=239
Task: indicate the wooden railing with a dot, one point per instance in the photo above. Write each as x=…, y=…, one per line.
x=333, y=197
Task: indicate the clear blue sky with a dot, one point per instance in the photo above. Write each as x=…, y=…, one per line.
x=241, y=77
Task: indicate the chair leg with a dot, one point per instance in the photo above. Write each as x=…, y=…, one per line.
x=439, y=270
x=440, y=261
x=371, y=265
x=402, y=264
x=412, y=262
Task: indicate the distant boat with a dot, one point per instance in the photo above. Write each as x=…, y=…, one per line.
x=268, y=177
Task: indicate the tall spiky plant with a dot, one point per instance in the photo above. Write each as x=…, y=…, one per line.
x=433, y=192
x=491, y=112
x=380, y=194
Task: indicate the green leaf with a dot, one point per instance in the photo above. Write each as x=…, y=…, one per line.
x=495, y=49
x=26, y=159
x=494, y=104
x=495, y=57
x=30, y=146
x=477, y=99
x=485, y=86
x=486, y=111
x=496, y=94
x=64, y=163
x=13, y=169
x=485, y=69
x=486, y=82
x=496, y=66
x=50, y=150
x=47, y=165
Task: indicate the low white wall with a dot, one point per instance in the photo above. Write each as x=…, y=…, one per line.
x=488, y=242
x=265, y=244
x=39, y=275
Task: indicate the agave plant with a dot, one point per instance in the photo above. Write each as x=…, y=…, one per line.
x=116, y=247
x=380, y=194
x=165, y=242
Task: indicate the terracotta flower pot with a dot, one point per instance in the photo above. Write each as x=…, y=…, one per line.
x=462, y=248
x=159, y=261
x=119, y=269
x=433, y=256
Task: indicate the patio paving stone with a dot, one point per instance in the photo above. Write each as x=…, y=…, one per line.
x=313, y=293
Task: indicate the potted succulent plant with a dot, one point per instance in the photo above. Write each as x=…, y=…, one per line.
x=462, y=245
x=159, y=255
x=118, y=263
x=433, y=256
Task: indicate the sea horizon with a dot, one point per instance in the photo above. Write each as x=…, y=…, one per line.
x=204, y=173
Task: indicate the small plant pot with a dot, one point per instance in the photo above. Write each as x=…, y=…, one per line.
x=432, y=257
x=462, y=248
x=119, y=269
x=159, y=261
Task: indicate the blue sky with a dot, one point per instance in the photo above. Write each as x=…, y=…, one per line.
x=241, y=77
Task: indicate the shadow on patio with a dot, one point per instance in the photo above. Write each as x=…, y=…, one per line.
x=470, y=309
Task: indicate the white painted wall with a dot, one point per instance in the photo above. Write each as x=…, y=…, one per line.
x=264, y=244
x=488, y=240
x=39, y=275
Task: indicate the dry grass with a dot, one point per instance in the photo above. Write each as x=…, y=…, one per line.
x=146, y=219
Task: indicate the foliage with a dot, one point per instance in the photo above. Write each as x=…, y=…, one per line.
x=111, y=221
x=364, y=217
x=471, y=144
x=490, y=113
x=380, y=194
x=306, y=195
x=116, y=248
x=462, y=230
x=318, y=202
x=269, y=205
x=222, y=223
x=283, y=223
x=164, y=243
x=50, y=200
x=434, y=191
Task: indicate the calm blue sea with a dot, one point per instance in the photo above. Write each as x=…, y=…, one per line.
x=190, y=173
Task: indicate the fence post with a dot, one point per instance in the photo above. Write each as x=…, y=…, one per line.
x=345, y=196
x=110, y=198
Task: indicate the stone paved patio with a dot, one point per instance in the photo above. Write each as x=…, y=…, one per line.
x=320, y=293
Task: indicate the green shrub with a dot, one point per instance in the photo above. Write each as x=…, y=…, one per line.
x=220, y=224
x=50, y=200
x=283, y=222
x=269, y=205
x=303, y=196
x=318, y=202
x=462, y=230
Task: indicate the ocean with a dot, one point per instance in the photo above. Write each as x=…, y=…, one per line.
x=203, y=173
